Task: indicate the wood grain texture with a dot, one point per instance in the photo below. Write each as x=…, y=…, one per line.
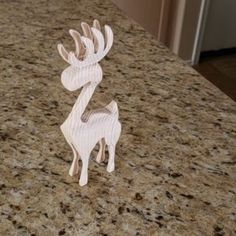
x=83, y=130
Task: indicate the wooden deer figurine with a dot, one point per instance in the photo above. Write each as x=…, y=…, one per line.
x=83, y=130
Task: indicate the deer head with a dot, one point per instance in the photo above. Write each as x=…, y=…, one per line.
x=90, y=48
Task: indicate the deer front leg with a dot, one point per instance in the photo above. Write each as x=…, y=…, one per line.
x=74, y=169
x=84, y=172
x=101, y=153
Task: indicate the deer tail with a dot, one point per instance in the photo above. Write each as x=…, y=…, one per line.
x=113, y=108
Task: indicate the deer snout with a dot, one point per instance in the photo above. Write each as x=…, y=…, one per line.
x=68, y=78
x=74, y=78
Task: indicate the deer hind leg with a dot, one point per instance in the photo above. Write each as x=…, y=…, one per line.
x=111, y=160
x=101, y=153
x=112, y=146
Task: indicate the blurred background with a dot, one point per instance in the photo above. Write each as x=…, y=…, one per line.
x=201, y=32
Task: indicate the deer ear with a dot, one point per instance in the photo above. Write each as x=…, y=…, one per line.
x=89, y=45
x=62, y=51
x=72, y=59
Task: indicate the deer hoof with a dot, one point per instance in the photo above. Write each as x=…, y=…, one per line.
x=73, y=172
x=110, y=168
x=83, y=182
x=98, y=159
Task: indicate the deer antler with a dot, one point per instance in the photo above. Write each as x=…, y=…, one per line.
x=89, y=48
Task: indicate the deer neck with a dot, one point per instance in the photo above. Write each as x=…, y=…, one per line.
x=82, y=101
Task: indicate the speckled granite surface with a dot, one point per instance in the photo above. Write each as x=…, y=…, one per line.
x=176, y=157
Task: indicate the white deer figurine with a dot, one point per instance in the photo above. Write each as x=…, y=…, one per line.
x=83, y=130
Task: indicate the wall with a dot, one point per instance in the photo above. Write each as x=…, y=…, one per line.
x=146, y=12
x=220, y=31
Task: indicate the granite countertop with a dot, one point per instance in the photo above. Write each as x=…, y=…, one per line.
x=175, y=164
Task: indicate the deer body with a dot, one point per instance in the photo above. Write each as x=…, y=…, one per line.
x=83, y=130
